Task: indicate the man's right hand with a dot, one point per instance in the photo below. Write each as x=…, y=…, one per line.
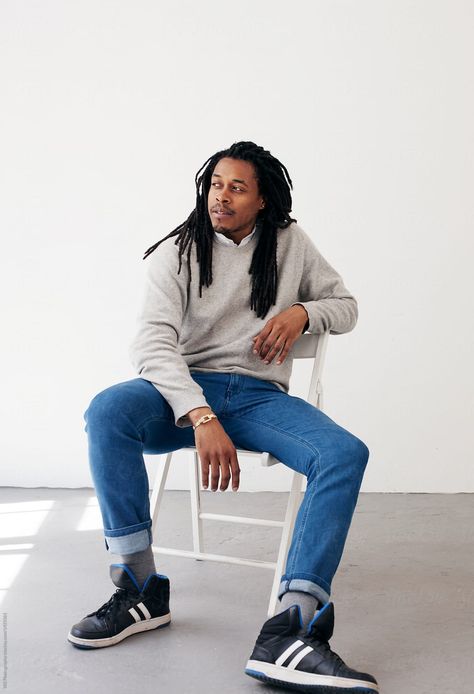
x=217, y=452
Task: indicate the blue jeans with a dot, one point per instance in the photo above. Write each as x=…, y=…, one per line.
x=131, y=418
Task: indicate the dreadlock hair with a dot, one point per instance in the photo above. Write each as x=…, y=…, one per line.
x=274, y=185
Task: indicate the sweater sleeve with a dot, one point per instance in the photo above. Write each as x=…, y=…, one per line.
x=328, y=303
x=154, y=351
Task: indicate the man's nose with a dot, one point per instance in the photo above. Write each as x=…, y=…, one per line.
x=222, y=195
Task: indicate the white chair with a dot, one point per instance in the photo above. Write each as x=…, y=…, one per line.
x=307, y=346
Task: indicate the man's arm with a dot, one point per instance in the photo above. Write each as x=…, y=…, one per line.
x=327, y=301
x=154, y=350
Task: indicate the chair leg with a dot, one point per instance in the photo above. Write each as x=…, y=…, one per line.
x=158, y=488
x=196, y=504
x=294, y=501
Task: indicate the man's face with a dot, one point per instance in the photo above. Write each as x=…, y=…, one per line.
x=234, y=199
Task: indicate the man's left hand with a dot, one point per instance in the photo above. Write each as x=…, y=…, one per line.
x=280, y=333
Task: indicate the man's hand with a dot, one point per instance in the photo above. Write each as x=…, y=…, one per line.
x=280, y=333
x=216, y=451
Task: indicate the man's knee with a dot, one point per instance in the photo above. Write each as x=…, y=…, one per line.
x=348, y=452
x=361, y=449
x=355, y=450
x=109, y=404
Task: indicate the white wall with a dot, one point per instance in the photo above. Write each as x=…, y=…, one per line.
x=108, y=110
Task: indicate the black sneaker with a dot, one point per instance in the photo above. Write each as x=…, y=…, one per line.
x=286, y=655
x=129, y=610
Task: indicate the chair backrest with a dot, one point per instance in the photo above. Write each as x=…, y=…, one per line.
x=313, y=346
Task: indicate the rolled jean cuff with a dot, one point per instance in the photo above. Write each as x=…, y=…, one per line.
x=128, y=544
x=303, y=586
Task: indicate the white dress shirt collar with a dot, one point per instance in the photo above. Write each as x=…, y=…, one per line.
x=228, y=242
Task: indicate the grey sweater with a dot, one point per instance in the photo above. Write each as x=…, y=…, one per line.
x=179, y=332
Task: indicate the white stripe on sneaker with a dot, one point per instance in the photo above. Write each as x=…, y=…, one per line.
x=135, y=615
x=286, y=654
x=298, y=657
x=144, y=610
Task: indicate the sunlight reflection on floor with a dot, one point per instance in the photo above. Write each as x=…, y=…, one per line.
x=91, y=519
x=19, y=519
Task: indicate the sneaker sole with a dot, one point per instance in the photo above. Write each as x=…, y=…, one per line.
x=154, y=623
x=306, y=681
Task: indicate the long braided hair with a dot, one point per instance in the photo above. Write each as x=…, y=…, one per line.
x=274, y=185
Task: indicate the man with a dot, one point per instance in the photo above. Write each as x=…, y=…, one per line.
x=220, y=360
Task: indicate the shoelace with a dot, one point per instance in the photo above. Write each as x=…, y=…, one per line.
x=120, y=596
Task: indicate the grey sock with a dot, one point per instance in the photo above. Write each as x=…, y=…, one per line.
x=141, y=563
x=308, y=604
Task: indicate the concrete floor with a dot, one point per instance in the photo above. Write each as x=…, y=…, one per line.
x=403, y=596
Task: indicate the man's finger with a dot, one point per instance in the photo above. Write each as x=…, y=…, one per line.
x=259, y=340
x=215, y=469
x=234, y=466
x=268, y=345
x=225, y=475
x=205, y=473
x=256, y=344
x=283, y=354
x=274, y=350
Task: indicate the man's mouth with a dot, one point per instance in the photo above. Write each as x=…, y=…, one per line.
x=219, y=212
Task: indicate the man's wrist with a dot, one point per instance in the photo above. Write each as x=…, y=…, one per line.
x=198, y=412
x=306, y=315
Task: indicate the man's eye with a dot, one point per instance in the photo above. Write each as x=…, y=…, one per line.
x=216, y=185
